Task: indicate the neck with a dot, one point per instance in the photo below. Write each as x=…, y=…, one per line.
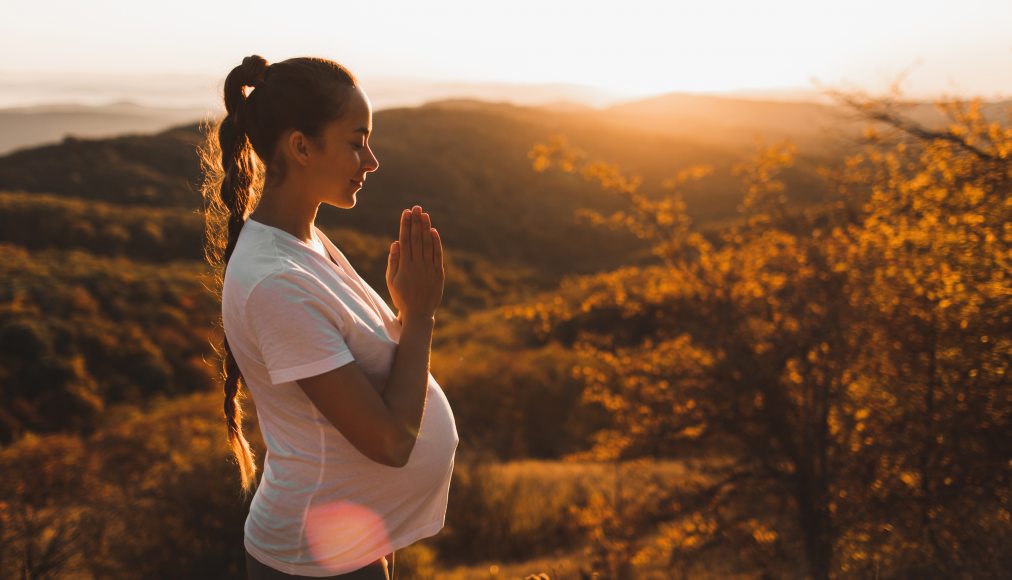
x=289, y=209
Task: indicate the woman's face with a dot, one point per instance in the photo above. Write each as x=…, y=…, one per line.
x=345, y=156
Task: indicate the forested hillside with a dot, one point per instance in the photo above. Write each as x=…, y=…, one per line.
x=739, y=364
x=464, y=161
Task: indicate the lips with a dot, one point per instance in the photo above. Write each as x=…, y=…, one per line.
x=357, y=183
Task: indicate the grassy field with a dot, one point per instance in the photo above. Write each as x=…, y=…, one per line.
x=523, y=518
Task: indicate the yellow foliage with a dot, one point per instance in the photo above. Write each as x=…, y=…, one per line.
x=844, y=343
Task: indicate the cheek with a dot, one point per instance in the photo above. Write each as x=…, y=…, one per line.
x=339, y=165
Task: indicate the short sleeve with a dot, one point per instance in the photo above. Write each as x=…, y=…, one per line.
x=299, y=326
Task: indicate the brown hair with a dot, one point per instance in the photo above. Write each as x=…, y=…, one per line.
x=238, y=158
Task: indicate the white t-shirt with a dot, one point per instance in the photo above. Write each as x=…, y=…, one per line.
x=322, y=507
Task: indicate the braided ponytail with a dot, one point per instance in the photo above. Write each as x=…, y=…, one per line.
x=237, y=156
x=231, y=171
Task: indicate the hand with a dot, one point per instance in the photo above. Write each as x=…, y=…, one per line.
x=415, y=273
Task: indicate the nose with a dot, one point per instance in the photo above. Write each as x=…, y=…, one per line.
x=371, y=162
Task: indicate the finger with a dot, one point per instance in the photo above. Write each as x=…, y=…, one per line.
x=426, y=238
x=416, y=233
x=392, y=261
x=437, y=251
x=405, y=234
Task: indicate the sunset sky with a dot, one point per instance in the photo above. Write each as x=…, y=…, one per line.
x=627, y=48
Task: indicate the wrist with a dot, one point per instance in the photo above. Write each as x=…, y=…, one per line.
x=417, y=319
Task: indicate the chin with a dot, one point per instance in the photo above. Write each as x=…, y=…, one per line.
x=343, y=200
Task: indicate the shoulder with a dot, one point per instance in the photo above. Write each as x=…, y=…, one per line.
x=288, y=281
x=258, y=261
x=290, y=302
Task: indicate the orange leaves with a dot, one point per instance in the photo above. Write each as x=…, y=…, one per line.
x=555, y=153
x=81, y=300
x=687, y=533
x=763, y=191
x=762, y=533
x=661, y=219
x=845, y=347
x=610, y=178
x=934, y=221
x=652, y=390
x=683, y=176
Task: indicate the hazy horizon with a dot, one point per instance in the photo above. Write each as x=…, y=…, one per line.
x=590, y=53
x=203, y=91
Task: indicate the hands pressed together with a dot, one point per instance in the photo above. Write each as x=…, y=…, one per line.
x=415, y=273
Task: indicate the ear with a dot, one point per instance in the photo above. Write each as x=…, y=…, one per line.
x=297, y=147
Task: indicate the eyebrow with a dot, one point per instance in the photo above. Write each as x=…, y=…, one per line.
x=363, y=130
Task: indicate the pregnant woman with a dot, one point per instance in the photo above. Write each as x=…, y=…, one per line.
x=360, y=439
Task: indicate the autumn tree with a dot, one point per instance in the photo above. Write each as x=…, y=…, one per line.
x=848, y=360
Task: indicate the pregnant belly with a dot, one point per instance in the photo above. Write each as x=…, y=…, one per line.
x=437, y=440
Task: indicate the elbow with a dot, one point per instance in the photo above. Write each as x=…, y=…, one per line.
x=403, y=455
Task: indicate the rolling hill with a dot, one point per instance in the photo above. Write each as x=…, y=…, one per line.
x=25, y=127
x=466, y=162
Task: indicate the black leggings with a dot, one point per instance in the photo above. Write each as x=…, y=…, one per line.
x=382, y=569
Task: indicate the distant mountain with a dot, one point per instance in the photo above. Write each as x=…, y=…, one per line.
x=396, y=93
x=818, y=128
x=156, y=169
x=171, y=100
x=466, y=161
x=23, y=127
x=725, y=120
x=566, y=107
x=200, y=90
x=798, y=94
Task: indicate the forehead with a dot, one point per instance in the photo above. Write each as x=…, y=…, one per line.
x=357, y=116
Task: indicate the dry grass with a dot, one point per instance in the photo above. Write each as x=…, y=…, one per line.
x=514, y=519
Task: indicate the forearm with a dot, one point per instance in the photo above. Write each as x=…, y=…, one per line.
x=404, y=392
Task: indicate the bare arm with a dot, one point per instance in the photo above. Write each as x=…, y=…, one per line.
x=384, y=425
